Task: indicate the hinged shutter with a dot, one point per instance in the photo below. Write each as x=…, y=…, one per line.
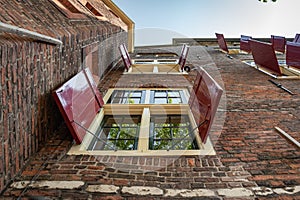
x=204, y=102
x=79, y=101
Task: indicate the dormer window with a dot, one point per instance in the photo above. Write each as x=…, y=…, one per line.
x=68, y=9
x=93, y=9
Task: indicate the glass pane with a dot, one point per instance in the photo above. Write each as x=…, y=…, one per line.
x=162, y=144
x=173, y=94
x=174, y=100
x=126, y=97
x=162, y=133
x=128, y=133
x=160, y=94
x=182, y=145
x=120, y=93
x=113, y=132
x=125, y=144
x=118, y=132
x=160, y=100
x=116, y=100
x=109, y=145
x=180, y=133
x=171, y=132
x=136, y=94
x=133, y=100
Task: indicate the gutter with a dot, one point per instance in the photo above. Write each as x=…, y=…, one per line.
x=24, y=32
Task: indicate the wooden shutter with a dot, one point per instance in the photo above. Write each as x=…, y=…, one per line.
x=221, y=41
x=264, y=56
x=79, y=101
x=204, y=102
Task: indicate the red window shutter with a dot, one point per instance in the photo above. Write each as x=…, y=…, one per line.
x=244, y=43
x=278, y=43
x=125, y=56
x=222, y=43
x=183, y=56
x=297, y=38
x=293, y=54
x=264, y=55
x=204, y=102
x=79, y=103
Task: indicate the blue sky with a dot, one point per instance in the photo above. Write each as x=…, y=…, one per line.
x=157, y=21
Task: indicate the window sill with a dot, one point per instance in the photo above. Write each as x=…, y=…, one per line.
x=207, y=149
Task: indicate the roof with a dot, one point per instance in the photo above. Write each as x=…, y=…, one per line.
x=52, y=20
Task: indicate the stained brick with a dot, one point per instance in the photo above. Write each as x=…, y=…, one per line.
x=124, y=176
x=121, y=182
x=3, y=75
x=93, y=172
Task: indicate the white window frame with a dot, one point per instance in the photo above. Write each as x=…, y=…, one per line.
x=144, y=110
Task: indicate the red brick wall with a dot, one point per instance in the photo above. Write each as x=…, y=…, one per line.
x=31, y=70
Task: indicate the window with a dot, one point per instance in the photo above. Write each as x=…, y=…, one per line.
x=167, y=97
x=127, y=97
x=93, y=10
x=150, y=66
x=144, y=122
x=117, y=133
x=147, y=96
x=68, y=9
x=171, y=132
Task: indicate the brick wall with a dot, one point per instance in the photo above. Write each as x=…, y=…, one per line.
x=31, y=70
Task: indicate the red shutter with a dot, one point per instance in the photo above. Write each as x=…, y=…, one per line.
x=297, y=38
x=79, y=101
x=204, y=102
x=264, y=55
x=293, y=54
x=244, y=43
x=183, y=56
x=125, y=56
x=222, y=42
x=278, y=43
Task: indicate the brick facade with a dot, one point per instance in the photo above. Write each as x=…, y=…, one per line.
x=252, y=160
x=30, y=70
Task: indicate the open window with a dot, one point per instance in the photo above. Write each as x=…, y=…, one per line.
x=223, y=45
x=139, y=121
x=171, y=132
x=265, y=60
x=68, y=8
x=154, y=65
x=93, y=9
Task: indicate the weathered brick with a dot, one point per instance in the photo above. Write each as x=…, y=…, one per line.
x=3, y=76
x=121, y=182
x=93, y=172
x=124, y=176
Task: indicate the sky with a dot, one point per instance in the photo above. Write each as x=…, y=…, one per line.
x=158, y=21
